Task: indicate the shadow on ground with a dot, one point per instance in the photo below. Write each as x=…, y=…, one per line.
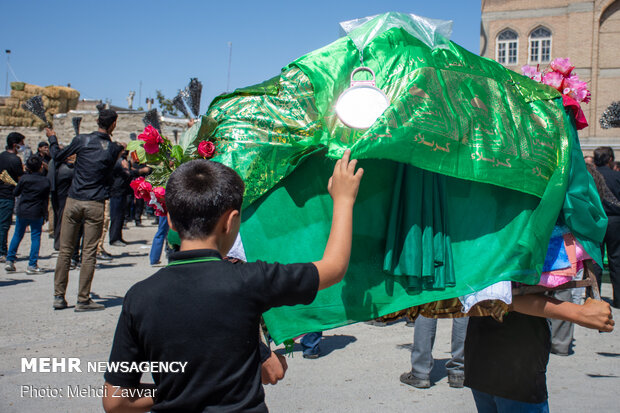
x=608, y=354
x=110, y=264
x=7, y=283
x=328, y=344
x=108, y=302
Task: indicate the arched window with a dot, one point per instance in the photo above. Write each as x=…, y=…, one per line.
x=507, y=47
x=540, y=45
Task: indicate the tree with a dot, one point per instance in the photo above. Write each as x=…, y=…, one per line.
x=166, y=105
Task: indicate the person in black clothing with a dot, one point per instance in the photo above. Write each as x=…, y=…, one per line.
x=33, y=190
x=60, y=184
x=506, y=362
x=96, y=156
x=604, y=159
x=210, y=308
x=122, y=175
x=9, y=162
x=43, y=150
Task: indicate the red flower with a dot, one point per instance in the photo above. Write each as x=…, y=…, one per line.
x=206, y=149
x=141, y=188
x=151, y=139
x=158, y=200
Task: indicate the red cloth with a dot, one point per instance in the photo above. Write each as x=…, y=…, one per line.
x=580, y=118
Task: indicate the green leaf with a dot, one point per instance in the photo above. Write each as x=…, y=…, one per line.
x=141, y=153
x=177, y=153
x=134, y=145
x=159, y=176
x=153, y=158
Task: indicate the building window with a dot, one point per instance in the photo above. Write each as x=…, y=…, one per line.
x=540, y=45
x=507, y=47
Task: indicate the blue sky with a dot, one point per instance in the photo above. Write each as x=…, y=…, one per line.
x=104, y=49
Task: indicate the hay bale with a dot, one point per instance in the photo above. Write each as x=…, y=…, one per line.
x=73, y=94
x=4, y=120
x=62, y=107
x=5, y=111
x=19, y=94
x=21, y=113
x=12, y=102
x=51, y=92
x=72, y=103
x=17, y=85
x=33, y=90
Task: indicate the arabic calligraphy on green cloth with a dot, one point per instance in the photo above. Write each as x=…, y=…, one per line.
x=467, y=172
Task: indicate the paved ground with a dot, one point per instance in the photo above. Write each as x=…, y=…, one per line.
x=358, y=373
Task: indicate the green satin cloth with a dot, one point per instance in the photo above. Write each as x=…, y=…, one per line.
x=451, y=112
x=467, y=172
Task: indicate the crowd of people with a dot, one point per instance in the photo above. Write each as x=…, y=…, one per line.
x=82, y=191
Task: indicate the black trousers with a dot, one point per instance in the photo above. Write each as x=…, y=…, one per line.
x=117, y=217
x=612, y=243
x=138, y=209
x=58, y=205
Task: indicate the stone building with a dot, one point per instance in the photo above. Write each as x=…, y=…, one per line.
x=531, y=32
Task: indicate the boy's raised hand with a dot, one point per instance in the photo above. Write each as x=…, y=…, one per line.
x=343, y=187
x=345, y=182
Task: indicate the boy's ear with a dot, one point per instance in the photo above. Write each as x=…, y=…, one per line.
x=230, y=220
x=170, y=223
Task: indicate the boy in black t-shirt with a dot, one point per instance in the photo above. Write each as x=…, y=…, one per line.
x=200, y=315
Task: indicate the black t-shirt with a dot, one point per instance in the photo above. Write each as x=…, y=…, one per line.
x=96, y=156
x=64, y=178
x=13, y=165
x=206, y=314
x=33, y=190
x=121, y=177
x=508, y=359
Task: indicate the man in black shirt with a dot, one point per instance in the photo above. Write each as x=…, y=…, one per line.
x=9, y=162
x=43, y=150
x=210, y=308
x=96, y=156
x=604, y=160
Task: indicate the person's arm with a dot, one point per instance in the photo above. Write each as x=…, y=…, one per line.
x=115, y=402
x=59, y=155
x=343, y=187
x=18, y=189
x=593, y=314
x=273, y=368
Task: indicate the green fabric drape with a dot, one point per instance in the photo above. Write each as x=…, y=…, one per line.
x=417, y=244
x=467, y=172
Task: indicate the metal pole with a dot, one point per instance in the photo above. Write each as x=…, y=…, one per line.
x=6, y=85
x=229, y=64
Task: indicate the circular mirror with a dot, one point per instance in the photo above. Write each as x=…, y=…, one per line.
x=360, y=105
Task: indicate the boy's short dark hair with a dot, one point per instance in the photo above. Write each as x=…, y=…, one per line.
x=198, y=193
x=43, y=144
x=33, y=164
x=13, y=138
x=602, y=155
x=106, y=118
